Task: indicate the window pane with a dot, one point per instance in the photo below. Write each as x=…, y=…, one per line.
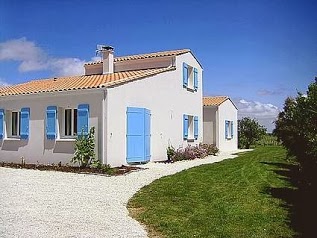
x=190, y=127
x=19, y=123
x=14, y=123
x=75, y=121
x=190, y=77
x=68, y=122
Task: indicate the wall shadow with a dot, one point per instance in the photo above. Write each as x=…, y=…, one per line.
x=64, y=147
x=13, y=145
x=300, y=198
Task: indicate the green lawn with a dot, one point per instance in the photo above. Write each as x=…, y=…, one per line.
x=226, y=199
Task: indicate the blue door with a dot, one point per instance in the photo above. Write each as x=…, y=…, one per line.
x=147, y=134
x=138, y=135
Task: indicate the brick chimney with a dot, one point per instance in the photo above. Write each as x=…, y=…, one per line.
x=107, y=59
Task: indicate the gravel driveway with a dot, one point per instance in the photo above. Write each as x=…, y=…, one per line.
x=55, y=204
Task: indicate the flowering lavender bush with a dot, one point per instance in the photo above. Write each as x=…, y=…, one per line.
x=194, y=152
x=210, y=148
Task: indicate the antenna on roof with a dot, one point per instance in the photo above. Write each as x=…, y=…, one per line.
x=101, y=48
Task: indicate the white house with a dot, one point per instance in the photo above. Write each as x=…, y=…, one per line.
x=220, y=123
x=138, y=104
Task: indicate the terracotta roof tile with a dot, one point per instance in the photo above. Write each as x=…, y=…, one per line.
x=214, y=101
x=145, y=56
x=79, y=82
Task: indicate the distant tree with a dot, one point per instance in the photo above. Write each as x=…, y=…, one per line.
x=249, y=132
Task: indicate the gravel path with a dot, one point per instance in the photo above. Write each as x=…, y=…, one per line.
x=55, y=204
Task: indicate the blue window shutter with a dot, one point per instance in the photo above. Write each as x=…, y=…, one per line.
x=82, y=119
x=51, y=115
x=195, y=79
x=226, y=129
x=185, y=126
x=1, y=123
x=196, y=127
x=231, y=129
x=24, y=123
x=138, y=134
x=185, y=75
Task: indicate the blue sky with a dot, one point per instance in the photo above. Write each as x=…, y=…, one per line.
x=258, y=52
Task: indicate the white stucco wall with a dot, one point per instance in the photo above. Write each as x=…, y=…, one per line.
x=167, y=100
x=93, y=69
x=160, y=62
x=227, y=111
x=37, y=147
x=209, y=125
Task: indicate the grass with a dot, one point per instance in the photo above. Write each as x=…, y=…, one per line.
x=268, y=139
x=226, y=199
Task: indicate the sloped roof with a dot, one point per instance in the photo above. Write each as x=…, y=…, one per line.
x=145, y=56
x=79, y=82
x=214, y=101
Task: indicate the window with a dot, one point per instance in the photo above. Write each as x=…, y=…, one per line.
x=15, y=124
x=1, y=123
x=66, y=123
x=228, y=129
x=190, y=127
x=190, y=77
x=70, y=122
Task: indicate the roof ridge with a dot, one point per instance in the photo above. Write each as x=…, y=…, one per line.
x=216, y=96
x=144, y=56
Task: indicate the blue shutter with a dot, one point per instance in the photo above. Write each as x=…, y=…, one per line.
x=24, y=123
x=147, y=134
x=226, y=129
x=196, y=127
x=185, y=75
x=82, y=119
x=185, y=127
x=1, y=123
x=231, y=129
x=51, y=115
x=195, y=79
x=138, y=135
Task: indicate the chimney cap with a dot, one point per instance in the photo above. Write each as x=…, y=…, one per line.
x=105, y=47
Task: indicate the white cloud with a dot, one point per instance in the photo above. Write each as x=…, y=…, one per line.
x=34, y=58
x=265, y=92
x=20, y=50
x=96, y=58
x=67, y=66
x=265, y=113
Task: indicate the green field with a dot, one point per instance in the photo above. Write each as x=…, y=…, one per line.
x=225, y=199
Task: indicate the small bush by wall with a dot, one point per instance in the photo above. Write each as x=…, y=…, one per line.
x=193, y=152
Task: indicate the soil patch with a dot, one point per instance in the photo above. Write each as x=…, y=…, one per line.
x=73, y=169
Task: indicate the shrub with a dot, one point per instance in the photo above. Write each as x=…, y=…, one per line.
x=210, y=148
x=296, y=128
x=85, y=149
x=105, y=168
x=194, y=152
x=170, y=151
